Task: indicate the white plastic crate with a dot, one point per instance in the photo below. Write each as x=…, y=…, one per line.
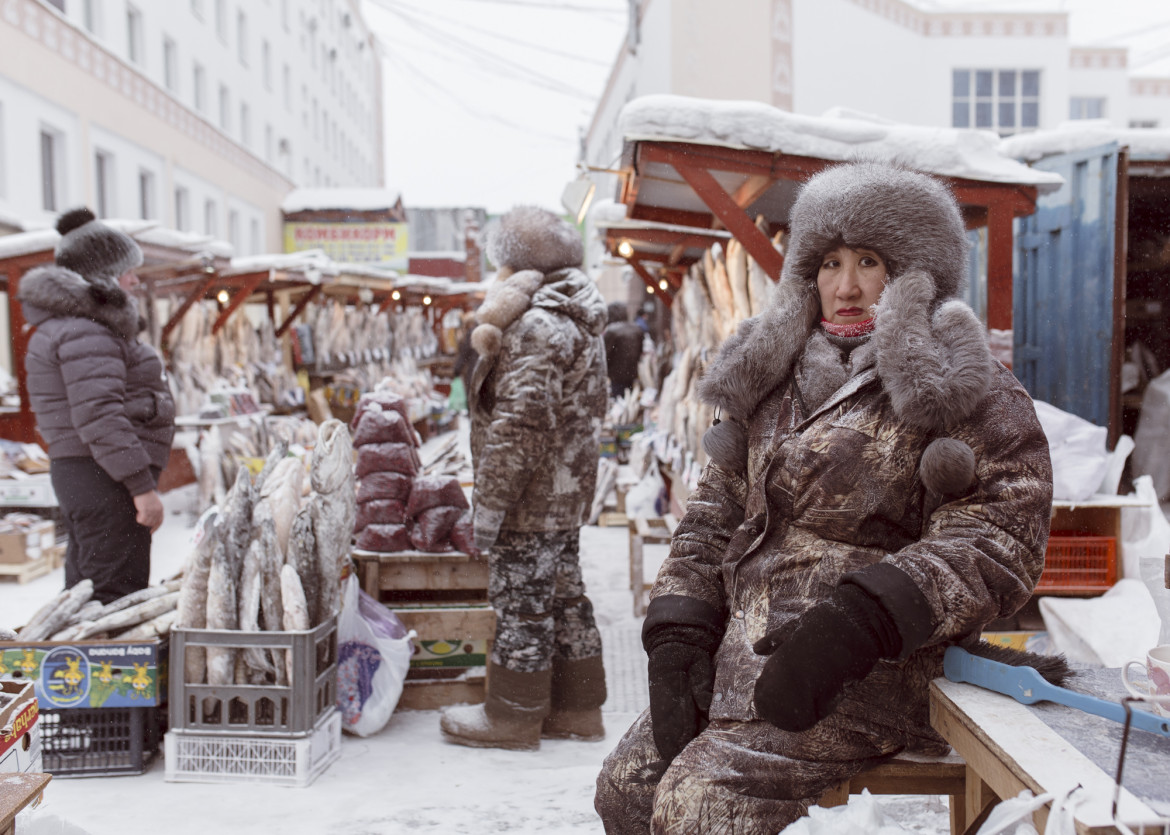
x=255, y=758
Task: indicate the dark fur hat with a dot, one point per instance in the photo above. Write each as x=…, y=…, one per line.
x=531, y=238
x=93, y=250
x=908, y=218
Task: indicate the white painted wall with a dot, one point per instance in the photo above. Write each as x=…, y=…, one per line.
x=1110, y=84
x=722, y=50
x=85, y=84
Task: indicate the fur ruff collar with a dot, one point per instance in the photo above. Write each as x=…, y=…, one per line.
x=52, y=291
x=932, y=358
x=504, y=303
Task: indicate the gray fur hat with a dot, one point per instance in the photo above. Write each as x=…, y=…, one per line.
x=93, y=250
x=908, y=218
x=531, y=238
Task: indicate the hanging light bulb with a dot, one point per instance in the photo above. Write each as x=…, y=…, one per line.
x=649, y=290
x=426, y=299
x=662, y=285
x=396, y=295
x=625, y=249
x=223, y=297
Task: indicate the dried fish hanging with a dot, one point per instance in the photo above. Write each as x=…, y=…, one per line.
x=718, y=292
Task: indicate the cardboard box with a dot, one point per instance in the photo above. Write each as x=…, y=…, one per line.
x=89, y=674
x=20, y=748
x=28, y=545
x=34, y=491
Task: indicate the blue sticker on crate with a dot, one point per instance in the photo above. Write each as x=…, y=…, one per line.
x=88, y=675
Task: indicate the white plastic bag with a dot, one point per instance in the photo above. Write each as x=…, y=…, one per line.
x=648, y=496
x=1144, y=530
x=861, y=814
x=1103, y=631
x=1080, y=460
x=373, y=657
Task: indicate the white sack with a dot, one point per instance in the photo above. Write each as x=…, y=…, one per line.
x=1103, y=631
x=1144, y=530
x=1080, y=460
x=861, y=814
x=1151, y=454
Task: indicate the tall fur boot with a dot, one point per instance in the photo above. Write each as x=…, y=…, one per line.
x=510, y=717
x=578, y=692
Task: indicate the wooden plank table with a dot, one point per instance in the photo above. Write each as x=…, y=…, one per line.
x=17, y=790
x=1008, y=748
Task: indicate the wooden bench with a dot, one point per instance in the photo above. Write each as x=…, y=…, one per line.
x=646, y=530
x=911, y=774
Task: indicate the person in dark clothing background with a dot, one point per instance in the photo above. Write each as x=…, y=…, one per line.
x=101, y=401
x=623, y=349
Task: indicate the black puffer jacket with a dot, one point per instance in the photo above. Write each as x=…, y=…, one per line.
x=96, y=390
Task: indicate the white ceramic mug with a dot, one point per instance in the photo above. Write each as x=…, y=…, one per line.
x=1156, y=689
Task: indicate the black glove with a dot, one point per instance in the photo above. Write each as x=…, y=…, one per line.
x=836, y=642
x=682, y=678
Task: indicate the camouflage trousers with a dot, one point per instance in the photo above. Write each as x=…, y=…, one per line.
x=535, y=586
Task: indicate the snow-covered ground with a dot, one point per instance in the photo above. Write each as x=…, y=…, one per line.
x=404, y=779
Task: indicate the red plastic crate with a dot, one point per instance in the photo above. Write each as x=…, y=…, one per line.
x=1076, y=564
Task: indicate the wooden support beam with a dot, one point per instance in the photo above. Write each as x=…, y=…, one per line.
x=640, y=268
x=313, y=292
x=248, y=286
x=999, y=266
x=1120, y=259
x=197, y=293
x=734, y=218
x=752, y=189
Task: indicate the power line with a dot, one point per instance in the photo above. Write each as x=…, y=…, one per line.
x=498, y=64
x=526, y=44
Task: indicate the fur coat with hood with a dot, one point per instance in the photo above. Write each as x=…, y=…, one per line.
x=96, y=390
x=538, y=393
x=912, y=465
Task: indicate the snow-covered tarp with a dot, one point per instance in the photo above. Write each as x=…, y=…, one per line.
x=950, y=152
x=1145, y=144
x=357, y=199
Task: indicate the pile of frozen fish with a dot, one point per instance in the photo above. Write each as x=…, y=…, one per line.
x=270, y=557
x=721, y=290
x=73, y=615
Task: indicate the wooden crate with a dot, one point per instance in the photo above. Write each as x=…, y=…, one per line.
x=51, y=558
x=442, y=597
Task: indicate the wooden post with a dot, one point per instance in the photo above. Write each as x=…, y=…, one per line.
x=999, y=266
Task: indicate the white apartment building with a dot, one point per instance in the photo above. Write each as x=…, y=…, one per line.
x=200, y=114
x=921, y=62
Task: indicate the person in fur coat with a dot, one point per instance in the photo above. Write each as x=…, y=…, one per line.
x=537, y=399
x=101, y=401
x=878, y=489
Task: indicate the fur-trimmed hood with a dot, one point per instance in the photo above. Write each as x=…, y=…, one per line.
x=929, y=348
x=51, y=291
x=531, y=238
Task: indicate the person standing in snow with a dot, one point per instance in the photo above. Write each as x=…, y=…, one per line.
x=623, y=350
x=537, y=398
x=101, y=401
x=879, y=489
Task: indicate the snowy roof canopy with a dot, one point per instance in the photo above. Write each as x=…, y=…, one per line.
x=951, y=152
x=144, y=231
x=357, y=199
x=311, y=262
x=1145, y=144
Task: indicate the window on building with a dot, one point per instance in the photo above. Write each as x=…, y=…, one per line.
x=266, y=64
x=245, y=124
x=199, y=88
x=91, y=16
x=146, y=194
x=242, y=36
x=3, y=156
x=286, y=81
x=221, y=25
x=1143, y=123
x=209, y=218
x=51, y=169
x=1007, y=101
x=134, y=35
x=268, y=142
x=182, y=209
x=103, y=183
x=1086, y=107
x=284, y=14
x=197, y=8
x=234, y=228
x=170, y=64
x=225, y=116
x=59, y=5
x=254, y=236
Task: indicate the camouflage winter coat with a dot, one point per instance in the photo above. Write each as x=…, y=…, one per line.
x=538, y=397
x=833, y=482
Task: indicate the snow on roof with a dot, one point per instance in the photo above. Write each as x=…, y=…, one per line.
x=145, y=231
x=311, y=262
x=951, y=152
x=23, y=243
x=1144, y=143
x=438, y=254
x=606, y=211
x=358, y=199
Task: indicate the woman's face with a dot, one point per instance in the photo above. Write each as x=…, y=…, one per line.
x=850, y=281
x=128, y=280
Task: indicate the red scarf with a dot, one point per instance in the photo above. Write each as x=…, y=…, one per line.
x=849, y=328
